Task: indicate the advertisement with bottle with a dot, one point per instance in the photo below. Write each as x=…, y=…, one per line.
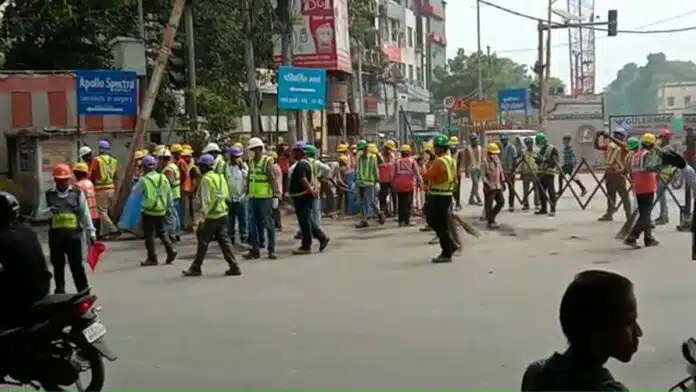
x=320, y=35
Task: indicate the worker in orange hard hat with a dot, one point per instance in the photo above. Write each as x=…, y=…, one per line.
x=81, y=172
x=66, y=227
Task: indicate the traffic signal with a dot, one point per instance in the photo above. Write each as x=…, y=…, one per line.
x=612, y=23
x=534, y=96
x=176, y=68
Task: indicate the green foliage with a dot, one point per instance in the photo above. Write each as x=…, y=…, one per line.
x=460, y=79
x=361, y=18
x=634, y=90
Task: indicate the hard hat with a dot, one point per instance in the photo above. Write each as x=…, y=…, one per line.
x=540, y=138
x=84, y=150
x=62, y=171
x=372, y=148
x=299, y=146
x=454, y=141
x=310, y=150
x=361, y=145
x=176, y=148
x=255, y=142
x=648, y=138
x=165, y=154
x=187, y=152
x=342, y=148
x=206, y=159
x=493, y=148
x=187, y=147
x=81, y=167
x=148, y=161
x=273, y=155
x=239, y=145
x=140, y=154
x=666, y=133
x=620, y=133
x=428, y=146
x=405, y=148
x=104, y=145
x=211, y=147
x=235, y=151
x=158, y=150
x=343, y=159
x=441, y=141
x=633, y=143
x=390, y=144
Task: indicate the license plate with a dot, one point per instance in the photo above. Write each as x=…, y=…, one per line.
x=94, y=332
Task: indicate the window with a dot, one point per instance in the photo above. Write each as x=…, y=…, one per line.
x=419, y=74
x=394, y=27
x=402, y=70
x=670, y=101
x=410, y=73
x=410, y=37
x=687, y=100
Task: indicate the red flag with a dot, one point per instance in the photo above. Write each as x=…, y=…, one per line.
x=94, y=254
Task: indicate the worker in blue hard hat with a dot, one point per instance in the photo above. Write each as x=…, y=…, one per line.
x=103, y=172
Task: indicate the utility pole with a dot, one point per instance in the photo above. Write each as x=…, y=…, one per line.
x=479, y=53
x=192, y=101
x=252, y=87
x=540, y=72
x=361, y=93
x=143, y=79
x=286, y=48
x=545, y=92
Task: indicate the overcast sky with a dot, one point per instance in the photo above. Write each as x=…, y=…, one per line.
x=516, y=37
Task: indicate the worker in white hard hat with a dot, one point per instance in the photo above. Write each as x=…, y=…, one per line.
x=171, y=171
x=85, y=154
x=214, y=150
x=264, y=195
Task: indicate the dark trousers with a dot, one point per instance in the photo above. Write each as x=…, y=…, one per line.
x=62, y=246
x=510, y=181
x=616, y=185
x=155, y=226
x=529, y=185
x=490, y=196
x=568, y=170
x=547, y=193
x=456, y=193
x=644, y=224
x=341, y=201
x=404, y=204
x=308, y=226
x=437, y=209
x=213, y=229
x=388, y=207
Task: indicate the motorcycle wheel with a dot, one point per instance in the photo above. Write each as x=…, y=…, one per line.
x=94, y=363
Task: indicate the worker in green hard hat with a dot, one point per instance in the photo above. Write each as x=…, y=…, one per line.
x=547, y=168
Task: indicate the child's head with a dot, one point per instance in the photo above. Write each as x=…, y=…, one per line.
x=598, y=314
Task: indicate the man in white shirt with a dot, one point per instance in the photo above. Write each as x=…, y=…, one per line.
x=237, y=173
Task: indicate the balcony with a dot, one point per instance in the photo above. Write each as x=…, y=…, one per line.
x=393, y=53
x=437, y=39
x=432, y=10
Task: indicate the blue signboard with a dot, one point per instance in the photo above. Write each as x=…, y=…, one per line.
x=512, y=100
x=301, y=88
x=107, y=92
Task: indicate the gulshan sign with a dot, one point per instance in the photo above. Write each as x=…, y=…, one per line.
x=649, y=122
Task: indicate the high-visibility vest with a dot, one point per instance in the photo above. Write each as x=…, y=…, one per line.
x=314, y=167
x=87, y=188
x=68, y=209
x=445, y=187
x=529, y=166
x=404, y=178
x=107, y=171
x=644, y=182
x=365, y=169
x=220, y=166
x=175, y=182
x=259, y=183
x=155, y=200
x=218, y=193
x=386, y=168
x=548, y=167
x=613, y=157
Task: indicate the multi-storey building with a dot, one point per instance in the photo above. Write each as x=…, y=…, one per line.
x=677, y=98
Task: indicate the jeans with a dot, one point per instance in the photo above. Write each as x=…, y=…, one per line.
x=664, y=209
x=260, y=221
x=237, y=219
x=475, y=175
x=366, y=196
x=173, y=218
x=314, y=214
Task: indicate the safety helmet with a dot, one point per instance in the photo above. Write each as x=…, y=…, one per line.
x=648, y=138
x=158, y=150
x=428, y=146
x=175, y=148
x=632, y=143
x=342, y=148
x=343, y=159
x=211, y=147
x=206, y=160
x=361, y=145
x=84, y=150
x=239, y=145
x=148, y=161
x=254, y=143
x=80, y=167
x=235, y=152
x=390, y=144
x=493, y=148
x=441, y=141
x=620, y=133
x=165, y=154
x=454, y=141
x=310, y=150
x=405, y=148
x=372, y=148
x=300, y=145
x=273, y=155
x=140, y=154
x=187, y=152
x=9, y=208
x=540, y=138
x=528, y=140
x=104, y=145
x=187, y=147
x=61, y=171
x=666, y=133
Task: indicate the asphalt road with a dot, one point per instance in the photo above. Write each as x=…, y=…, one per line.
x=373, y=312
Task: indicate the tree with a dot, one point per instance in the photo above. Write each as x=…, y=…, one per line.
x=634, y=91
x=460, y=78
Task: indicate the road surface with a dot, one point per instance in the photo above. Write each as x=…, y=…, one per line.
x=373, y=312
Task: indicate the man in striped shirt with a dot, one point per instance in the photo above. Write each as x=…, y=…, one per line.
x=569, y=162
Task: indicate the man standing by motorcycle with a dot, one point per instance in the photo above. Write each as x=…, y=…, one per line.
x=70, y=215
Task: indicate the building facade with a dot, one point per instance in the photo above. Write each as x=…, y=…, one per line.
x=677, y=98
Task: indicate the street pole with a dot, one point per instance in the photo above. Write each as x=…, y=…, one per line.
x=191, y=69
x=286, y=48
x=547, y=76
x=144, y=80
x=478, y=39
x=361, y=93
x=252, y=88
x=540, y=72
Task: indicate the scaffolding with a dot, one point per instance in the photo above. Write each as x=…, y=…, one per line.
x=582, y=48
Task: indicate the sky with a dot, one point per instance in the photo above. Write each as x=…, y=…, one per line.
x=515, y=37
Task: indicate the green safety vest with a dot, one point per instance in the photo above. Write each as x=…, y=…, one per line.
x=155, y=200
x=218, y=193
x=66, y=218
x=259, y=183
x=365, y=169
x=545, y=168
x=529, y=166
x=175, y=183
x=107, y=170
x=446, y=187
x=220, y=165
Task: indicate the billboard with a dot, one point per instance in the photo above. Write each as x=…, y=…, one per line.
x=319, y=35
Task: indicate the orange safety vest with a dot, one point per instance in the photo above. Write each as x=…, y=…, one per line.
x=386, y=168
x=87, y=188
x=187, y=183
x=426, y=184
x=611, y=159
x=644, y=182
x=405, y=178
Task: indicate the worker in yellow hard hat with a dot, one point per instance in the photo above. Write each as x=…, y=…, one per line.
x=493, y=184
x=176, y=148
x=645, y=164
x=159, y=149
x=342, y=148
x=188, y=187
x=137, y=169
x=387, y=199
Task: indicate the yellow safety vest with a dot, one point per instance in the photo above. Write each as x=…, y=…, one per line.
x=66, y=218
x=365, y=169
x=446, y=187
x=529, y=166
x=218, y=193
x=259, y=183
x=156, y=189
x=220, y=166
x=548, y=167
x=107, y=171
x=175, y=182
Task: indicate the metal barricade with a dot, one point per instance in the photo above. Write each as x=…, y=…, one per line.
x=600, y=184
x=535, y=178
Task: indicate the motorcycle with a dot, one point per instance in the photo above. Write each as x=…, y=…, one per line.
x=61, y=337
x=689, y=353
